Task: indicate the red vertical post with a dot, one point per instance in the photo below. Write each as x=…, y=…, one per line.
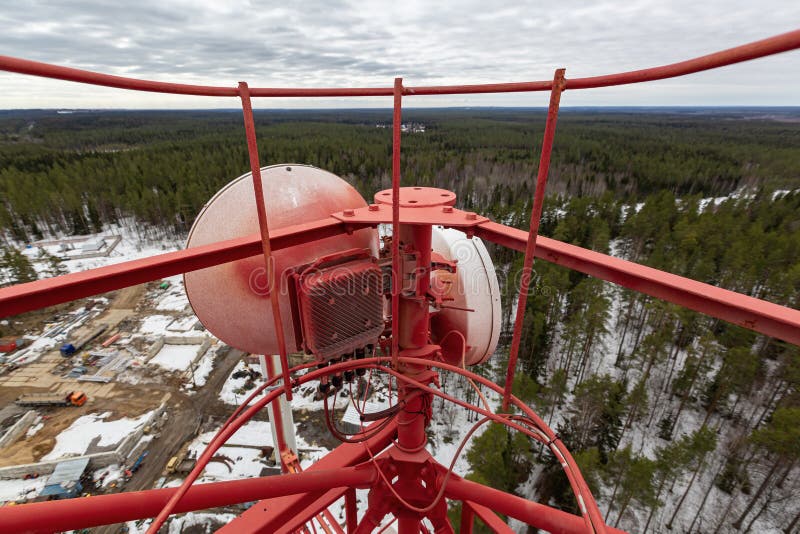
x=533, y=232
x=351, y=511
x=408, y=523
x=397, y=119
x=255, y=169
x=467, y=518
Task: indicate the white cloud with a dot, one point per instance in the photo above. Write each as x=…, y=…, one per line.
x=356, y=43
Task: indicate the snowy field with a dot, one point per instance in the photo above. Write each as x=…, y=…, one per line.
x=231, y=392
x=12, y=490
x=174, y=300
x=203, y=368
x=184, y=324
x=78, y=437
x=155, y=324
x=175, y=357
x=241, y=458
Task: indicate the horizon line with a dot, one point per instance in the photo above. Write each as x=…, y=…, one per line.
x=427, y=108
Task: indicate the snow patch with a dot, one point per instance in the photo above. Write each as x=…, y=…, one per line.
x=80, y=435
x=175, y=357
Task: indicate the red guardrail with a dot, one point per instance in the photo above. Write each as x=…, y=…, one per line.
x=765, y=47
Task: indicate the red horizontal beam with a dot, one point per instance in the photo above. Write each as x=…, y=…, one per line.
x=42, y=293
x=759, y=315
x=764, y=317
x=772, y=45
x=529, y=512
x=87, y=512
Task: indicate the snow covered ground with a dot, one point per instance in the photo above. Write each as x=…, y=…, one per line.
x=174, y=299
x=184, y=324
x=237, y=462
x=12, y=490
x=231, y=391
x=37, y=425
x=108, y=475
x=130, y=247
x=78, y=437
x=240, y=457
x=155, y=324
x=175, y=357
x=203, y=368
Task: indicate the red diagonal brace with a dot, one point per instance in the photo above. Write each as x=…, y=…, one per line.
x=536, y=215
x=489, y=518
x=255, y=168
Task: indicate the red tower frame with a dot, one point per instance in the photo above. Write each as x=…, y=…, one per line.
x=391, y=460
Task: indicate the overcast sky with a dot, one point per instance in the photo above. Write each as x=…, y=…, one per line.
x=362, y=43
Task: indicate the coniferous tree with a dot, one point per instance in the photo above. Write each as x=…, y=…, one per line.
x=780, y=438
x=17, y=266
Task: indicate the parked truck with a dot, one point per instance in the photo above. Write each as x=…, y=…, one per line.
x=74, y=398
x=68, y=349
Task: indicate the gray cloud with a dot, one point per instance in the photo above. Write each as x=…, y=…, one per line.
x=357, y=43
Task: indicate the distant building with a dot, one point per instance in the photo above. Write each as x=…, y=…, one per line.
x=94, y=245
x=65, y=482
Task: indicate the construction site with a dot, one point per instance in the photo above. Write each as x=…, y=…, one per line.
x=123, y=382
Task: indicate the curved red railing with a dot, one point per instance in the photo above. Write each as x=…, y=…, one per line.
x=765, y=47
x=770, y=319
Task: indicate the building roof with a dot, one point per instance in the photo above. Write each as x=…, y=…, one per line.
x=92, y=246
x=69, y=471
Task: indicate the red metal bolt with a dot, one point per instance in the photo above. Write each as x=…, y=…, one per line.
x=349, y=213
x=447, y=209
x=374, y=207
x=472, y=216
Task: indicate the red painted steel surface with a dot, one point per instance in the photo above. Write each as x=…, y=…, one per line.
x=293, y=194
x=397, y=119
x=763, y=317
x=759, y=315
x=533, y=232
x=529, y=512
x=276, y=511
x=351, y=510
x=425, y=215
x=263, y=226
x=489, y=518
x=765, y=47
x=98, y=510
x=41, y=293
x=416, y=197
x=341, y=306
